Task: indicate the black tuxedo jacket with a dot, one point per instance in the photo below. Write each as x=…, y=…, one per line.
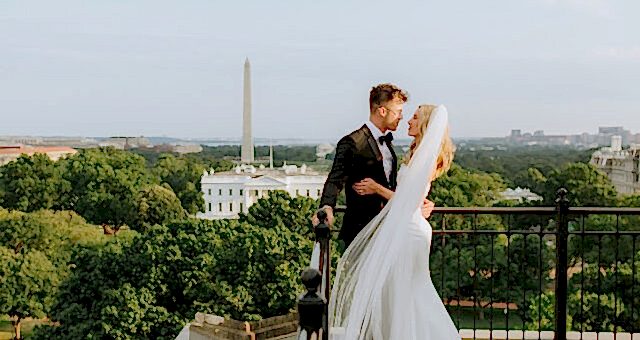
x=357, y=157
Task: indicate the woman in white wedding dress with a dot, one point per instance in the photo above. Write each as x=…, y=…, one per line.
x=383, y=289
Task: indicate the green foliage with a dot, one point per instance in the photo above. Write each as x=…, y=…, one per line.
x=541, y=313
x=183, y=176
x=279, y=209
x=32, y=183
x=52, y=233
x=105, y=183
x=28, y=281
x=156, y=205
x=587, y=186
x=532, y=178
x=34, y=252
x=464, y=188
x=513, y=163
x=281, y=153
x=163, y=277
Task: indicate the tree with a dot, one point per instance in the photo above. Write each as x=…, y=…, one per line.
x=32, y=183
x=28, y=282
x=149, y=286
x=105, y=183
x=183, y=175
x=532, y=179
x=279, y=209
x=513, y=162
x=156, y=205
x=52, y=233
x=34, y=252
x=587, y=186
x=463, y=188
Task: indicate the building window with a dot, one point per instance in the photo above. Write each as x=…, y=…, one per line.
x=230, y=192
x=241, y=206
x=209, y=192
x=297, y=192
x=209, y=206
x=319, y=193
x=220, y=207
x=256, y=192
x=241, y=191
x=231, y=206
x=220, y=192
x=308, y=192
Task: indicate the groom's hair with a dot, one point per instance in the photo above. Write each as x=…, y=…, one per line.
x=383, y=93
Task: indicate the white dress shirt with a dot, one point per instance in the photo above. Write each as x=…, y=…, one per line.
x=387, y=157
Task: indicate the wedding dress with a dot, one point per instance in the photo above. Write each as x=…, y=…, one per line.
x=383, y=288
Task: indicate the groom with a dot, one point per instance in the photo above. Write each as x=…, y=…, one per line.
x=366, y=153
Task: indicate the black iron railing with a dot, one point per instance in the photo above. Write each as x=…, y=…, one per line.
x=533, y=270
x=313, y=305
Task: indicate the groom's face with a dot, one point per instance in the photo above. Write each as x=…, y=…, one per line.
x=393, y=114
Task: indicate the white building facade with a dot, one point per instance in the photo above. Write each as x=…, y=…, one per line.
x=520, y=195
x=227, y=194
x=622, y=166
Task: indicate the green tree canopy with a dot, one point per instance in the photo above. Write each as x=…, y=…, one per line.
x=183, y=175
x=32, y=183
x=105, y=183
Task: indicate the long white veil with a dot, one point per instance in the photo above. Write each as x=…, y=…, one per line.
x=372, y=290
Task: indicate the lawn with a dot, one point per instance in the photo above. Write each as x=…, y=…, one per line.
x=6, y=329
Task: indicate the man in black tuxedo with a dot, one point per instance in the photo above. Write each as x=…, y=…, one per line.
x=365, y=153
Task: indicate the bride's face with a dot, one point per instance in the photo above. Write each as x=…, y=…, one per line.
x=414, y=129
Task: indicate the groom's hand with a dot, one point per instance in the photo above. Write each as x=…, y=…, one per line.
x=329, y=210
x=427, y=208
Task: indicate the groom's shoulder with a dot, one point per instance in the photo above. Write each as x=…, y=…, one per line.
x=355, y=139
x=357, y=135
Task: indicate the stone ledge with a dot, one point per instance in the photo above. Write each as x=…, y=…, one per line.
x=213, y=327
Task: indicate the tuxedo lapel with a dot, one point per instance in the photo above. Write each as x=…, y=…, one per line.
x=373, y=144
x=394, y=168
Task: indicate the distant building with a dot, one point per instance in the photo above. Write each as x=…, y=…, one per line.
x=323, y=150
x=125, y=143
x=519, y=137
x=11, y=153
x=229, y=193
x=616, y=130
x=622, y=166
x=187, y=148
x=72, y=142
x=520, y=195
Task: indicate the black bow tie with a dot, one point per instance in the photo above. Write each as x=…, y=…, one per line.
x=388, y=138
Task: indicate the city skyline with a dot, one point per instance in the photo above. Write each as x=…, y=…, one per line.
x=161, y=69
x=264, y=140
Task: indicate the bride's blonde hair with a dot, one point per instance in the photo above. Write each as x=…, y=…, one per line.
x=447, y=148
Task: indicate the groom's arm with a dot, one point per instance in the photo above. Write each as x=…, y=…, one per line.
x=339, y=172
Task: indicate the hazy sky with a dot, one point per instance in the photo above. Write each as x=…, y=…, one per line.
x=115, y=67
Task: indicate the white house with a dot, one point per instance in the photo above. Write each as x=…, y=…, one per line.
x=226, y=194
x=520, y=195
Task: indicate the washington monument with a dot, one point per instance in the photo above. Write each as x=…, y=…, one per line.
x=247, y=152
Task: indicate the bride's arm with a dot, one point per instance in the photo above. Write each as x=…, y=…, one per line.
x=368, y=186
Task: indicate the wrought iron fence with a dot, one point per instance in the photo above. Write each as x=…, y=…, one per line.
x=536, y=269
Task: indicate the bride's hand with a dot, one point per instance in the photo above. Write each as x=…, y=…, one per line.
x=427, y=208
x=366, y=187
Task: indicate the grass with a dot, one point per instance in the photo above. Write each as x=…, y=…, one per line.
x=492, y=318
x=6, y=329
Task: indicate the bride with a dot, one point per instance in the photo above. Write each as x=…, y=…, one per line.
x=383, y=289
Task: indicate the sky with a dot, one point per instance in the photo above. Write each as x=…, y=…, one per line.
x=174, y=68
